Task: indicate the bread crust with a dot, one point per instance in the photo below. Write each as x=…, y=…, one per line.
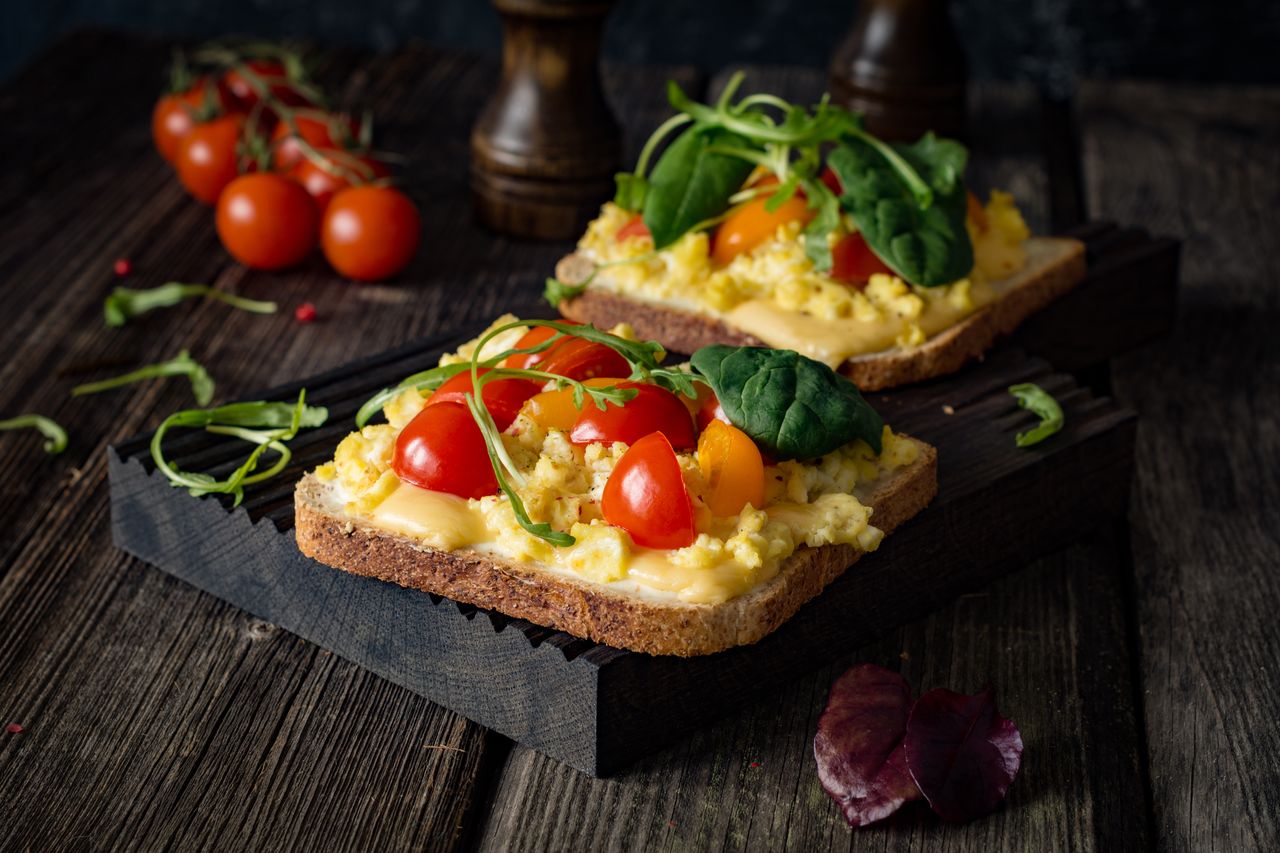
x=608, y=616
x=1058, y=265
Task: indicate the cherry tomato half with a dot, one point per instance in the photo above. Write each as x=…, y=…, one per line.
x=832, y=181
x=709, y=408
x=532, y=338
x=634, y=228
x=267, y=221
x=323, y=184
x=646, y=496
x=733, y=468
x=556, y=410
x=581, y=359
x=175, y=114
x=370, y=233
x=206, y=159
x=318, y=129
x=853, y=262
x=442, y=449
x=502, y=397
x=653, y=409
x=751, y=224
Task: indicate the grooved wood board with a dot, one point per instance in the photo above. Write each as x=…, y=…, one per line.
x=589, y=705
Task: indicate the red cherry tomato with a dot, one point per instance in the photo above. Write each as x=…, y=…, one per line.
x=532, y=338
x=318, y=129
x=976, y=212
x=272, y=74
x=207, y=160
x=442, y=449
x=175, y=114
x=832, y=181
x=853, y=262
x=580, y=359
x=370, y=233
x=323, y=184
x=267, y=221
x=634, y=228
x=646, y=496
x=502, y=397
x=653, y=409
x=709, y=409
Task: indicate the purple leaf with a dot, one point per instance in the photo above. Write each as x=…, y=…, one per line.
x=962, y=753
x=861, y=762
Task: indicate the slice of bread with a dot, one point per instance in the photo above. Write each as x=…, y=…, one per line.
x=643, y=624
x=1054, y=266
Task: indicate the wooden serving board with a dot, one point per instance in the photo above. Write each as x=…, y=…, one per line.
x=595, y=707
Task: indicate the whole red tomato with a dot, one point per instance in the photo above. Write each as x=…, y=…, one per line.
x=176, y=113
x=442, y=449
x=207, y=157
x=370, y=233
x=853, y=262
x=502, y=397
x=317, y=128
x=646, y=496
x=653, y=409
x=272, y=74
x=267, y=221
x=323, y=184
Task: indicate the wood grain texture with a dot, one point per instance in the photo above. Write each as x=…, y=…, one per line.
x=1204, y=164
x=155, y=715
x=1051, y=639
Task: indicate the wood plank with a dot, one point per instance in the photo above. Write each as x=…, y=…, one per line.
x=156, y=715
x=1204, y=164
x=1051, y=639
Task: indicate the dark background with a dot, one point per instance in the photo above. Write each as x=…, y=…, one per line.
x=1050, y=42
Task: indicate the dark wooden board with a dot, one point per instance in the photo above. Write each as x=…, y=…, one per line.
x=594, y=707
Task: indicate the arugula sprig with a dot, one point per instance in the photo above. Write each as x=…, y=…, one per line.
x=181, y=365
x=123, y=304
x=267, y=425
x=1041, y=403
x=55, y=435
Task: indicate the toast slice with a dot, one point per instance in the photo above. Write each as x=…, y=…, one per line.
x=600, y=613
x=1054, y=266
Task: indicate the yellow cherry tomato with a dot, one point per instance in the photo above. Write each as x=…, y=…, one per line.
x=750, y=225
x=733, y=468
x=555, y=409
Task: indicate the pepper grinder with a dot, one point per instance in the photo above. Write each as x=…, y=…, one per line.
x=903, y=67
x=545, y=148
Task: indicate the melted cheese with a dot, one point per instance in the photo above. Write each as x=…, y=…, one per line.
x=437, y=519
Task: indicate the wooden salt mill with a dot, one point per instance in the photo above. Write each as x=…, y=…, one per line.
x=546, y=146
x=903, y=67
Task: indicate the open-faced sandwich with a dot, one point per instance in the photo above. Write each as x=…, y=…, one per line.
x=764, y=223
x=674, y=510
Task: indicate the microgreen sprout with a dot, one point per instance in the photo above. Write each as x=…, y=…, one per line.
x=123, y=304
x=182, y=365
x=55, y=436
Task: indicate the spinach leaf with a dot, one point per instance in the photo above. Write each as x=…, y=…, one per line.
x=792, y=406
x=692, y=183
x=909, y=203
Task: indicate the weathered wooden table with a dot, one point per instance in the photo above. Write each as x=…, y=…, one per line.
x=1141, y=667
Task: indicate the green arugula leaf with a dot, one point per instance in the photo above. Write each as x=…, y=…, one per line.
x=692, y=183
x=123, y=304
x=1035, y=399
x=556, y=291
x=56, y=436
x=183, y=365
x=909, y=203
x=816, y=247
x=792, y=406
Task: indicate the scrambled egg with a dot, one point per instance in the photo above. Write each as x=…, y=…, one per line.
x=806, y=504
x=778, y=273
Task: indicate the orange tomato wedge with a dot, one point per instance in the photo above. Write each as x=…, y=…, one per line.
x=751, y=224
x=555, y=409
x=733, y=468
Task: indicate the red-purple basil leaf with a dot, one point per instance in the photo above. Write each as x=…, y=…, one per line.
x=861, y=762
x=962, y=753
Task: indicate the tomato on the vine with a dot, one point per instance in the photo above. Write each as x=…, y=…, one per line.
x=751, y=224
x=853, y=262
x=207, y=157
x=273, y=74
x=442, y=449
x=267, y=221
x=733, y=468
x=370, y=233
x=316, y=128
x=322, y=182
x=653, y=409
x=502, y=397
x=646, y=496
x=177, y=113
